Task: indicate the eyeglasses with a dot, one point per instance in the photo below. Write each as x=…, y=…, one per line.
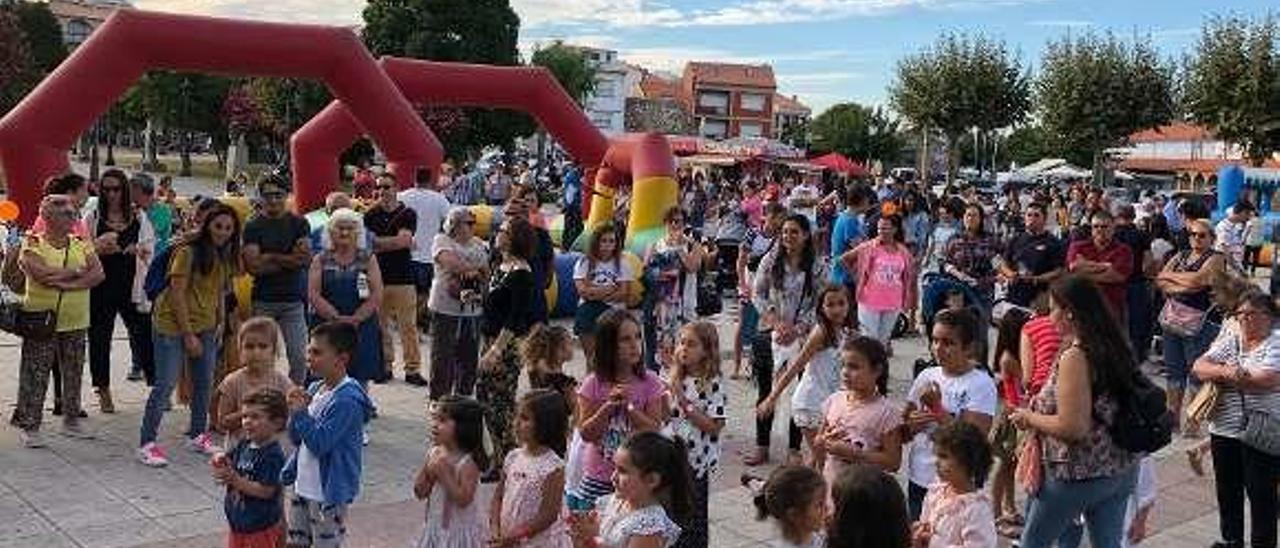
x=676, y=220
x=1102, y=227
x=273, y=195
x=1199, y=234
x=1250, y=314
x=386, y=187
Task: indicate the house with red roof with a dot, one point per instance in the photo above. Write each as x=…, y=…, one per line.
x=730, y=100
x=1189, y=154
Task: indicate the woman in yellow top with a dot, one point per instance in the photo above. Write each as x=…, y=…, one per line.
x=187, y=316
x=60, y=269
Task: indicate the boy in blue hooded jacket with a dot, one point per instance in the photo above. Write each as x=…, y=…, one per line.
x=326, y=425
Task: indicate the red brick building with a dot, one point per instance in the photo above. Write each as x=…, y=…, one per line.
x=730, y=100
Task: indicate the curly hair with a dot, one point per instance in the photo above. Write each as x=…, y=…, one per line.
x=541, y=343
x=966, y=445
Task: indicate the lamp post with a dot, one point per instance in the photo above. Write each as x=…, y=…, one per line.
x=184, y=135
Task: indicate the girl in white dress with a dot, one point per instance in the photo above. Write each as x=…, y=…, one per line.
x=526, y=504
x=450, y=476
x=795, y=496
x=651, y=482
x=819, y=361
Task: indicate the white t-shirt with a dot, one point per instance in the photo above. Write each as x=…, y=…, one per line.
x=431, y=208
x=603, y=273
x=974, y=391
x=309, y=485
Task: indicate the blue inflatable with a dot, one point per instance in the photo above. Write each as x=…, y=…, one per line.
x=562, y=295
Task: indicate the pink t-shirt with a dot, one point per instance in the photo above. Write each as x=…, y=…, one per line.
x=863, y=424
x=598, y=455
x=754, y=209
x=882, y=275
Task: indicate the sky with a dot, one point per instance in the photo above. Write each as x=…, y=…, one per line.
x=824, y=51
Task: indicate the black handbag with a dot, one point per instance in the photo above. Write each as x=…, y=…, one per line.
x=37, y=325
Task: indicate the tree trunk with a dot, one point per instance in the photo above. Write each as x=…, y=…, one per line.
x=149, y=162
x=924, y=156
x=185, y=155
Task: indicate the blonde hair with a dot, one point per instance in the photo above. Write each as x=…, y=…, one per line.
x=261, y=325
x=1203, y=224
x=709, y=338
x=541, y=343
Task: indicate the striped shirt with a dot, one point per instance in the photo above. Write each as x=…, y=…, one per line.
x=1045, y=342
x=1228, y=414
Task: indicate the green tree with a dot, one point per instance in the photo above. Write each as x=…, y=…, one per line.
x=15, y=60
x=1233, y=83
x=859, y=132
x=470, y=31
x=43, y=34
x=184, y=104
x=570, y=67
x=1027, y=144
x=1094, y=91
x=960, y=83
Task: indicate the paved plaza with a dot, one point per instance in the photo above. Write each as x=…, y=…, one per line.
x=96, y=494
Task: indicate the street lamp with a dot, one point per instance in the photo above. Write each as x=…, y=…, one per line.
x=184, y=136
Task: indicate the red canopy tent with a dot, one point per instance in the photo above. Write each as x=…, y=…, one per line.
x=838, y=162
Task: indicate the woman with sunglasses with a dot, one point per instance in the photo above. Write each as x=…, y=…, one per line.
x=671, y=266
x=124, y=240
x=462, y=271
x=1187, y=279
x=1246, y=368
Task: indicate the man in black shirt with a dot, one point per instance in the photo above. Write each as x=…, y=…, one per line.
x=1032, y=259
x=393, y=225
x=277, y=251
x=1138, y=293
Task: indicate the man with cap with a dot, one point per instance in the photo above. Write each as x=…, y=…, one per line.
x=1138, y=292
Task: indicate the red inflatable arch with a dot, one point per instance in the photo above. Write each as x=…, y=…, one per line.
x=317, y=145
x=36, y=135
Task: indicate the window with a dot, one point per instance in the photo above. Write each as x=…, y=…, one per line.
x=717, y=103
x=77, y=31
x=606, y=88
x=715, y=129
x=753, y=102
x=751, y=129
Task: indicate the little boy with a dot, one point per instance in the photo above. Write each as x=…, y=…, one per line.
x=251, y=471
x=326, y=422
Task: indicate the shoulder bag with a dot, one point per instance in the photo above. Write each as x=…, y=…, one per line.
x=1178, y=318
x=1261, y=429
x=38, y=325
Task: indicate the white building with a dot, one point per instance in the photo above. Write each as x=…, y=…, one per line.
x=607, y=106
x=79, y=18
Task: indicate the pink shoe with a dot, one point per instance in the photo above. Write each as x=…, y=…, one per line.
x=153, y=455
x=203, y=444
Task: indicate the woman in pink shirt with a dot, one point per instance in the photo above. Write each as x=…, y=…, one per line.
x=886, y=274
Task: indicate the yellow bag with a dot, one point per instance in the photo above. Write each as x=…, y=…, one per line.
x=1202, y=403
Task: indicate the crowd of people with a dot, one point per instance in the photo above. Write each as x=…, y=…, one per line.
x=827, y=274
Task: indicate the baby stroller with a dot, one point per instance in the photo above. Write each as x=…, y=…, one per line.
x=936, y=289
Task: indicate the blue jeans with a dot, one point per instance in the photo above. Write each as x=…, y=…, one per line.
x=1180, y=352
x=292, y=317
x=169, y=357
x=1101, y=500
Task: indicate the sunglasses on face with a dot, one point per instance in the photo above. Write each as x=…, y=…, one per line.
x=1197, y=234
x=386, y=187
x=273, y=195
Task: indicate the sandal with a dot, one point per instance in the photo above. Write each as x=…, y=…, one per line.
x=1008, y=530
x=1196, y=459
x=758, y=458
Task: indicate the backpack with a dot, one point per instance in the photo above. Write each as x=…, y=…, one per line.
x=157, y=279
x=1142, y=422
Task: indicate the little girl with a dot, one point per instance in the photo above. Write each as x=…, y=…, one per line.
x=544, y=352
x=652, y=494
x=859, y=424
x=820, y=365
x=1004, y=436
x=698, y=416
x=257, y=343
x=957, y=512
x=618, y=399
x=526, y=505
x=451, y=474
x=795, y=496
x=601, y=279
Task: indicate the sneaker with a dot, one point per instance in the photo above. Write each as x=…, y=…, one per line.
x=72, y=428
x=30, y=439
x=415, y=379
x=364, y=437
x=153, y=455
x=105, y=403
x=202, y=444
x=135, y=374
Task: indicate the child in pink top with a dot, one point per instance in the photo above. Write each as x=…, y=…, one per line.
x=886, y=272
x=957, y=511
x=859, y=424
x=618, y=399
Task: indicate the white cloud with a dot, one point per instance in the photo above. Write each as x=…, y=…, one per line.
x=816, y=78
x=1067, y=23
x=328, y=12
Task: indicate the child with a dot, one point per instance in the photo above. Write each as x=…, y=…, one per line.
x=257, y=341
x=1141, y=500
x=325, y=424
x=544, y=352
x=867, y=510
x=526, y=505
x=859, y=424
x=601, y=278
x=698, y=416
x=820, y=365
x=957, y=512
x=254, y=503
x=619, y=398
x=953, y=390
x=1004, y=437
x=652, y=494
x=451, y=474
x=796, y=496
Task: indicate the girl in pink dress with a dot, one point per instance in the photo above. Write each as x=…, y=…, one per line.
x=859, y=423
x=451, y=475
x=526, y=504
x=886, y=275
x=957, y=511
